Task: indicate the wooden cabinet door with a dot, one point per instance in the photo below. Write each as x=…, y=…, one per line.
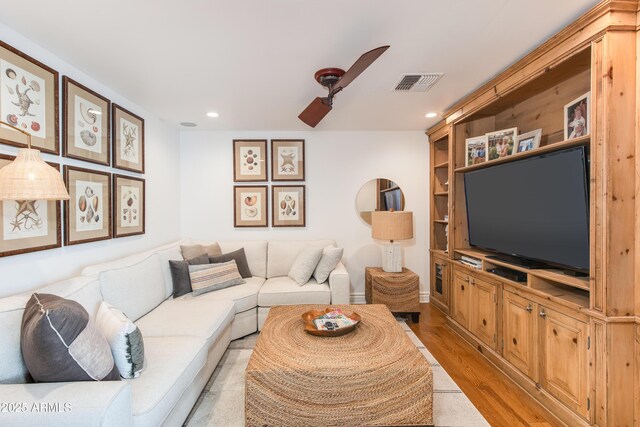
x=563, y=370
x=460, y=299
x=519, y=321
x=483, y=311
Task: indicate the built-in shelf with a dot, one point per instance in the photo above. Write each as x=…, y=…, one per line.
x=440, y=221
x=386, y=190
x=442, y=165
x=441, y=194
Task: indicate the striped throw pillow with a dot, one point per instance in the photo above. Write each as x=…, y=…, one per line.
x=213, y=277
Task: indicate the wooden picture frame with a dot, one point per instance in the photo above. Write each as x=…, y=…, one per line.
x=29, y=225
x=250, y=206
x=128, y=140
x=501, y=143
x=28, y=100
x=577, y=114
x=250, y=160
x=86, y=123
x=128, y=206
x=476, y=151
x=528, y=141
x=287, y=160
x=87, y=213
x=288, y=204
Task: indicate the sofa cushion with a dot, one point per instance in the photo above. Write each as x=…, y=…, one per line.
x=213, y=277
x=245, y=296
x=331, y=256
x=171, y=254
x=282, y=253
x=124, y=338
x=284, y=291
x=305, y=264
x=256, y=252
x=239, y=257
x=192, y=251
x=180, y=274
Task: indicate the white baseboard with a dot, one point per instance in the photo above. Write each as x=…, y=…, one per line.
x=358, y=298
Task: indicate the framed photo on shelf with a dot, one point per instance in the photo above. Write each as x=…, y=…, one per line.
x=528, y=141
x=250, y=206
x=28, y=100
x=128, y=206
x=128, y=140
x=577, y=116
x=501, y=143
x=87, y=213
x=249, y=160
x=287, y=159
x=476, y=149
x=86, y=123
x=288, y=206
x=29, y=225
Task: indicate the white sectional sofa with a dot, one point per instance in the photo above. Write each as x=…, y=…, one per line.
x=184, y=338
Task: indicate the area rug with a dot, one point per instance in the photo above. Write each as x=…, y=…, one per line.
x=221, y=403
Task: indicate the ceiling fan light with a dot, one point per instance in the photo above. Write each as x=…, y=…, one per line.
x=28, y=177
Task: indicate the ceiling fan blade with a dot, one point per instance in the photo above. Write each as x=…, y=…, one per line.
x=315, y=112
x=358, y=67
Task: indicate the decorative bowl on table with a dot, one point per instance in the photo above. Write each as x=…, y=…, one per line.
x=311, y=315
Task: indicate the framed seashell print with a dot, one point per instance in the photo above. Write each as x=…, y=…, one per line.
x=28, y=100
x=250, y=206
x=287, y=159
x=288, y=206
x=28, y=225
x=87, y=213
x=86, y=124
x=249, y=160
x=128, y=139
x=128, y=206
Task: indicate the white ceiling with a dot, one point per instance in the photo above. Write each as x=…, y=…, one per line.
x=253, y=61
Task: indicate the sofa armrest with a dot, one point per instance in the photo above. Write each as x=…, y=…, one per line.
x=85, y=403
x=339, y=284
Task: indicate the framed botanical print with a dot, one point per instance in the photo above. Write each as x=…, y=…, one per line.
x=128, y=206
x=28, y=100
x=28, y=225
x=287, y=159
x=128, y=140
x=249, y=160
x=86, y=123
x=288, y=206
x=87, y=213
x=250, y=206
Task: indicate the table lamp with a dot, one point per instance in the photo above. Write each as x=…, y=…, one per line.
x=392, y=225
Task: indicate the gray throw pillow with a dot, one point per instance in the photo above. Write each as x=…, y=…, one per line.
x=331, y=256
x=304, y=265
x=180, y=274
x=60, y=342
x=193, y=251
x=240, y=258
x=213, y=277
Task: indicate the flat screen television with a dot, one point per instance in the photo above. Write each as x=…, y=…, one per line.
x=534, y=209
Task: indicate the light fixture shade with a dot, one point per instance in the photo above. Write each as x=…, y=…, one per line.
x=392, y=225
x=28, y=177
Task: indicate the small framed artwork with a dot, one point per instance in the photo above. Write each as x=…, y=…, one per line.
x=87, y=213
x=576, y=117
x=287, y=159
x=128, y=140
x=476, y=149
x=28, y=225
x=249, y=160
x=128, y=206
x=85, y=123
x=288, y=206
x=500, y=143
x=528, y=141
x=250, y=206
x=28, y=100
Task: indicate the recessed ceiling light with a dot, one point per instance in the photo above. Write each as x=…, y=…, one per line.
x=213, y=114
x=188, y=124
x=430, y=115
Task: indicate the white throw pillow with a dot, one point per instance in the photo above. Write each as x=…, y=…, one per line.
x=124, y=338
x=305, y=264
x=331, y=256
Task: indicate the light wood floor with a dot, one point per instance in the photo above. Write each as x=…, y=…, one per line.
x=501, y=402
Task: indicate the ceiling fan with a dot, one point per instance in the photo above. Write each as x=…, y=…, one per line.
x=336, y=79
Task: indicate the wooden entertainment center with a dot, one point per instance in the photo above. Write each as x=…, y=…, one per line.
x=572, y=343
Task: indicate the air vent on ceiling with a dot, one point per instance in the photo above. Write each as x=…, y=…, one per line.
x=416, y=82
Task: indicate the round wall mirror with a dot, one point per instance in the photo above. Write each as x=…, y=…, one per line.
x=378, y=195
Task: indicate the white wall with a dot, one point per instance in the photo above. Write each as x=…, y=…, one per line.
x=337, y=165
x=23, y=272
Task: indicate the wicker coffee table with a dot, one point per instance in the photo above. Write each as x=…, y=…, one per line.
x=372, y=376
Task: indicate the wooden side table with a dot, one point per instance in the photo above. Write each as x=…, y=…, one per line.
x=400, y=292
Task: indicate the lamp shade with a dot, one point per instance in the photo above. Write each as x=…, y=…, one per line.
x=392, y=225
x=28, y=177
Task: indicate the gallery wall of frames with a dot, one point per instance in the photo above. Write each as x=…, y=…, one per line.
x=95, y=131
